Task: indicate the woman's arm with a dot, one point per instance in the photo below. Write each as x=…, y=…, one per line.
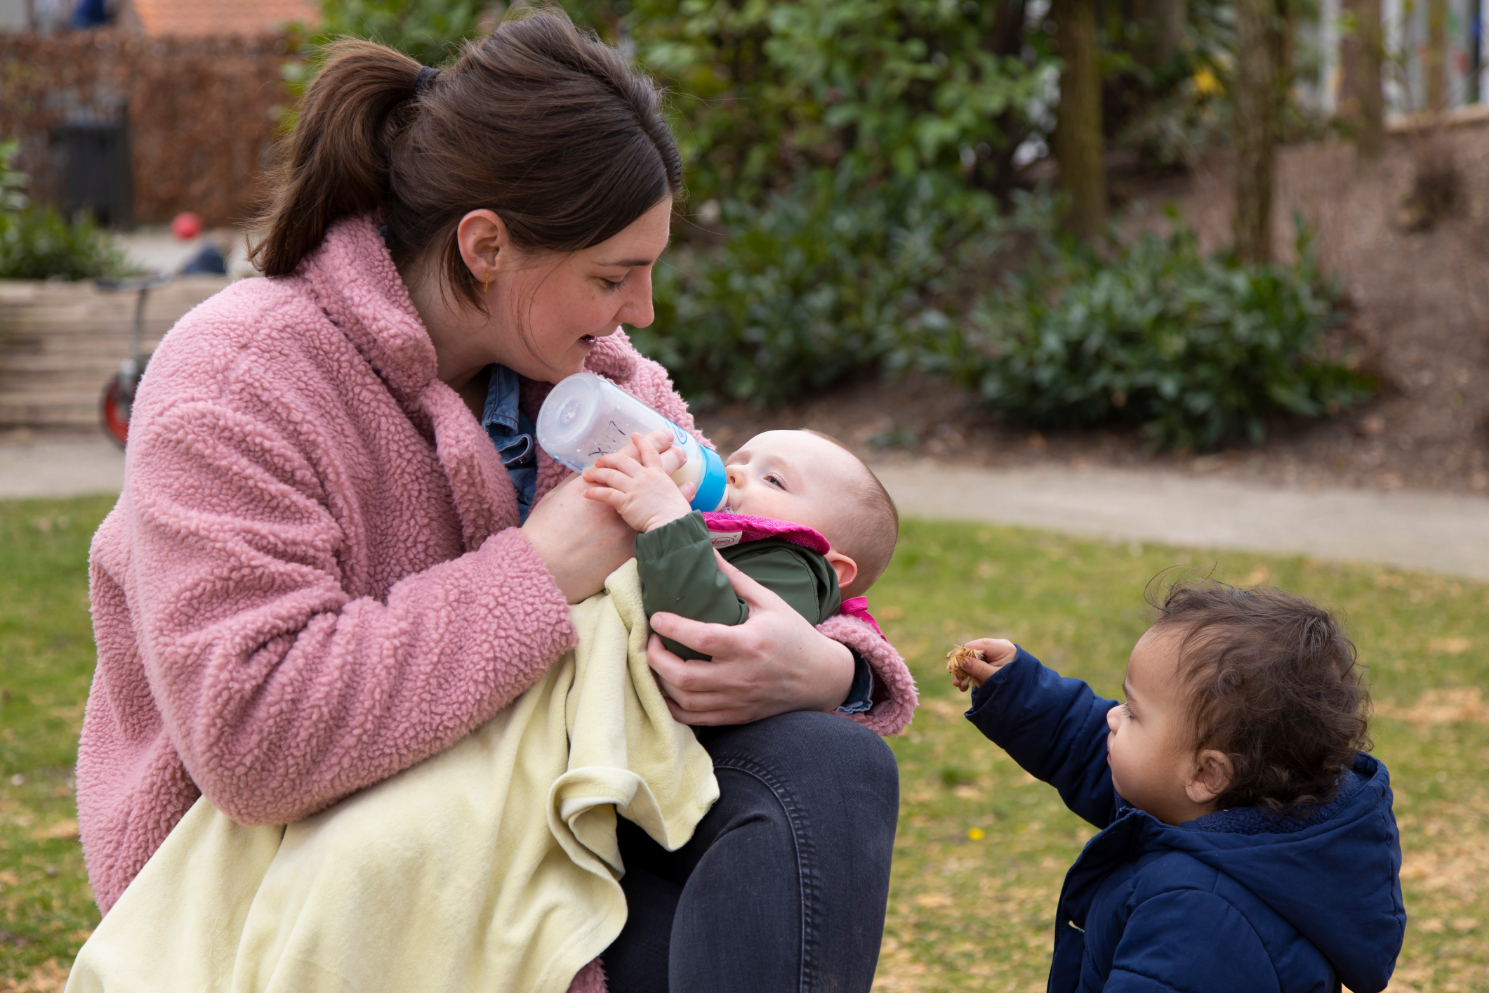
x=281, y=691
x=785, y=653
x=775, y=663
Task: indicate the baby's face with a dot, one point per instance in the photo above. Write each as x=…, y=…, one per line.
x=1148, y=738
x=793, y=476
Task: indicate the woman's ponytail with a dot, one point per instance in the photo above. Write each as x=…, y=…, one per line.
x=540, y=122
x=337, y=164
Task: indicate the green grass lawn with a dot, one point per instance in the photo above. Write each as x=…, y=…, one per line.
x=982, y=848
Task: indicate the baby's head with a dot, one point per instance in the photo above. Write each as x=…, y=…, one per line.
x=1236, y=698
x=808, y=478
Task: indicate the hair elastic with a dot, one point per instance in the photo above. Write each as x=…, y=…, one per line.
x=425, y=80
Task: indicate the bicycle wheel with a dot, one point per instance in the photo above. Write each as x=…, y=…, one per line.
x=114, y=410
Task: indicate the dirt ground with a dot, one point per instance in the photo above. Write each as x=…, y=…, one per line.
x=1421, y=306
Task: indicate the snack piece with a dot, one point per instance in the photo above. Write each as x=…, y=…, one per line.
x=960, y=654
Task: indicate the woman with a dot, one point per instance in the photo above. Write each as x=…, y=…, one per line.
x=323, y=567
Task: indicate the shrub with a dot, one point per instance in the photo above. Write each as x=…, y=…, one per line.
x=1195, y=351
x=815, y=284
x=764, y=93
x=38, y=243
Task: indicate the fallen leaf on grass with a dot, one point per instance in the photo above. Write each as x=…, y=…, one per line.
x=49, y=977
x=62, y=829
x=1449, y=646
x=1464, y=703
x=943, y=708
x=8, y=878
x=934, y=901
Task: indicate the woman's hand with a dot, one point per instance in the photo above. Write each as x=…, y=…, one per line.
x=773, y=663
x=580, y=541
x=639, y=489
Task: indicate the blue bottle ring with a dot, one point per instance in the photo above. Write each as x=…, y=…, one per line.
x=711, y=483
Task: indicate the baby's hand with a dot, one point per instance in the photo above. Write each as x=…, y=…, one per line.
x=974, y=663
x=640, y=490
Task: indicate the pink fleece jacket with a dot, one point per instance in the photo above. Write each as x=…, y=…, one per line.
x=314, y=576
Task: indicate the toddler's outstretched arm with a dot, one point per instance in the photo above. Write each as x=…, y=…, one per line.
x=1055, y=728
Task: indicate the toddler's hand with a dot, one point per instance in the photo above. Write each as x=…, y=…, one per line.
x=968, y=670
x=639, y=488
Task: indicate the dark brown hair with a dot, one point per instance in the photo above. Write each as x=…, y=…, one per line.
x=1274, y=684
x=539, y=122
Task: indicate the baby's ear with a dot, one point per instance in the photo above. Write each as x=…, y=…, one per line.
x=1213, y=774
x=845, y=567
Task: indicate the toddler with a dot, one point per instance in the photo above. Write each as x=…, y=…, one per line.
x=804, y=517
x=1246, y=842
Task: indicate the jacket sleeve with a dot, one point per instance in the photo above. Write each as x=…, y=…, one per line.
x=281, y=692
x=1190, y=941
x=1055, y=728
x=679, y=575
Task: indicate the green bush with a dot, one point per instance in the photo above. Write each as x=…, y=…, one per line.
x=843, y=150
x=813, y=285
x=763, y=93
x=38, y=243
x=1195, y=351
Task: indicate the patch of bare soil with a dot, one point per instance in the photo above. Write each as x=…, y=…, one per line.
x=1410, y=254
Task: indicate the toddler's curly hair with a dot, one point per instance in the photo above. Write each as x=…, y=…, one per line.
x=1274, y=684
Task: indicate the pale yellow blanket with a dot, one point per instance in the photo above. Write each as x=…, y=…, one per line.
x=490, y=867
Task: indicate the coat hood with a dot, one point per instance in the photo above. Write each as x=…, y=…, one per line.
x=1345, y=857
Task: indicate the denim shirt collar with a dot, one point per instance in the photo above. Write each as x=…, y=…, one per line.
x=511, y=431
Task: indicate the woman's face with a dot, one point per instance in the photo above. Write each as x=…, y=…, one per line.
x=547, y=309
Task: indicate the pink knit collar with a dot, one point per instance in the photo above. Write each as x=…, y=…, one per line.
x=727, y=529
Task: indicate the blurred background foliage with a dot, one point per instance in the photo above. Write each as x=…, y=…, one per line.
x=37, y=242
x=864, y=196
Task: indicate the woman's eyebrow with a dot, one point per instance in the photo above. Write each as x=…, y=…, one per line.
x=627, y=263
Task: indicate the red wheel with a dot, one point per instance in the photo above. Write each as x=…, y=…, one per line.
x=115, y=411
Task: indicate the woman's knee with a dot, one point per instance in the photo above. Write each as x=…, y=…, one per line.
x=816, y=753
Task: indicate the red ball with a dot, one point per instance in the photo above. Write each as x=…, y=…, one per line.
x=186, y=225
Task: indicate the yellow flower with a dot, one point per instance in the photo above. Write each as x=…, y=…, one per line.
x=976, y=834
x=1205, y=83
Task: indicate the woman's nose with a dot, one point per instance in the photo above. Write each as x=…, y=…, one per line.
x=637, y=310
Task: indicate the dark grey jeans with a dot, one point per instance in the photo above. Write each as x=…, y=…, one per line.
x=784, y=884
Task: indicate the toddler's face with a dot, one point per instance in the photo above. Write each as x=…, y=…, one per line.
x=1148, y=742
x=792, y=476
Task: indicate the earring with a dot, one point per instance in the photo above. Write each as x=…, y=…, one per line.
x=486, y=283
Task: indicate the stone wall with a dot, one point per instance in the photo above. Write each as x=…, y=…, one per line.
x=202, y=113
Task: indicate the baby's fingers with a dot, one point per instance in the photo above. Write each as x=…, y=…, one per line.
x=646, y=451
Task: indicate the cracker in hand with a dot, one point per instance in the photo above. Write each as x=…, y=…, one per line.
x=957, y=656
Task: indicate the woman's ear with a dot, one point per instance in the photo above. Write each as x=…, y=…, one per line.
x=482, y=235
x=845, y=567
x=1212, y=776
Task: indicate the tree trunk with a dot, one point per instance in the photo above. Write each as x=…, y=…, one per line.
x=1361, y=99
x=1258, y=95
x=1170, y=19
x=1436, y=63
x=1078, y=139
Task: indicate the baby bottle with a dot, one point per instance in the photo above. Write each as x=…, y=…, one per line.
x=586, y=416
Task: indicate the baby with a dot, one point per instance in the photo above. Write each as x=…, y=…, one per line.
x=1247, y=843
x=804, y=517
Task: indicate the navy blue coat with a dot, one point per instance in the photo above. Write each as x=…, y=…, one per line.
x=1232, y=901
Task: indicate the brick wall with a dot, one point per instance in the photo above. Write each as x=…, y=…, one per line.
x=202, y=112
